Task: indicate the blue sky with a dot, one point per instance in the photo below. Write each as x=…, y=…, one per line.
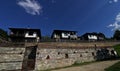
x=76, y=15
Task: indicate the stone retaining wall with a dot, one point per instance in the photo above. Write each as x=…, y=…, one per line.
x=48, y=58
x=52, y=55
x=11, y=58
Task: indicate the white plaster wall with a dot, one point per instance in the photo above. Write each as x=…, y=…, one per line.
x=65, y=36
x=31, y=36
x=55, y=36
x=92, y=37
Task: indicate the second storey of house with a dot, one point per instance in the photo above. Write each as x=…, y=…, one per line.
x=25, y=33
x=64, y=34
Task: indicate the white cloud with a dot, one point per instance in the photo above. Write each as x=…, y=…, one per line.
x=113, y=1
x=116, y=24
x=31, y=6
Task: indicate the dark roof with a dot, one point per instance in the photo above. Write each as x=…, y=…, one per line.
x=26, y=29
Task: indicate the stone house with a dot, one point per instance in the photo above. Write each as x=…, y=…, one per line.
x=24, y=35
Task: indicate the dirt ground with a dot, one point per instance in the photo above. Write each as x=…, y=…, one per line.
x=97, y=66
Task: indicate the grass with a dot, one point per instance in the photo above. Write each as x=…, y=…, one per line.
x=73, y=65
x=115, y=67
x=117, y=48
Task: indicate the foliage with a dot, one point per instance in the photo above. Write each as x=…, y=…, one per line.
x=115, y=67
x=116, y=35
x=117, y=49
x=46, y=39
x=3, y=34
x=101, y=35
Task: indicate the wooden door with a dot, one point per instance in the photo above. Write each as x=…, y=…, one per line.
x=29, y=59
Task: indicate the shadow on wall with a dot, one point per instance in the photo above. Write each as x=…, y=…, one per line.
x=105, y=54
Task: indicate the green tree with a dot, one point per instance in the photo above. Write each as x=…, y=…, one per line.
x=101, y=35
x=3, y=34
x=116, y=35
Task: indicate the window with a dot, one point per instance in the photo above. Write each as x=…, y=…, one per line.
x=65, y=34
x=31, y=33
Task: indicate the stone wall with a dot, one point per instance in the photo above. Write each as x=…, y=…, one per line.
x=11, y=58
x=52, y=54
x=48, y=58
